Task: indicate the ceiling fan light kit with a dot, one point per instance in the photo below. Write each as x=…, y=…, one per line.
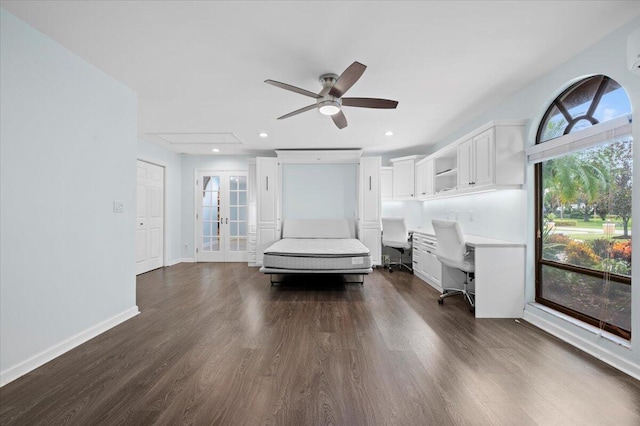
x=329, y=107
x=330, y=101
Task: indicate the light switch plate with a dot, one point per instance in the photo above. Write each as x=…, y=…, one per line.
x=118, y=206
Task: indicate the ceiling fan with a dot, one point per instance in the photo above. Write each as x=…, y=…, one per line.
x=329, y=100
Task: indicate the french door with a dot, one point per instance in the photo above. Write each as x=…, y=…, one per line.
x=221, y=216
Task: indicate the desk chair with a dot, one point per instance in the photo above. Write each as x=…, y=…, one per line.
x=396, y=236
x=451, y=250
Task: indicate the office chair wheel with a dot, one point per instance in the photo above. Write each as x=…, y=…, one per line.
x=440, y=301
x=391, y=269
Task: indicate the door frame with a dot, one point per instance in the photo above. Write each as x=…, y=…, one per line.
x=195, y=187
x=165, y=168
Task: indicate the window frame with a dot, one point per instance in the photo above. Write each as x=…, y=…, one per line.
x=540, y=261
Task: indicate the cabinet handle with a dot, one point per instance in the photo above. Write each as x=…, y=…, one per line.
x=267, y=177
x=369, y=183
x=226, y=222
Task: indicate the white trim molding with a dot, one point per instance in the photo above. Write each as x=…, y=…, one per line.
x=30, y=364
x=579, y=336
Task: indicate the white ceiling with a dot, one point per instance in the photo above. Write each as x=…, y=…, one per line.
x=199, y=67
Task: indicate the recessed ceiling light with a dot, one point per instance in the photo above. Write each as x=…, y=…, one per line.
x=215, y=150
x=263, y=135
x=388, y=133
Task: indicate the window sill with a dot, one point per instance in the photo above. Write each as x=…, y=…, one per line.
x=586, y=327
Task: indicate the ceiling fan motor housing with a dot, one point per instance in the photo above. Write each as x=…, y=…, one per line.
x=327, y=104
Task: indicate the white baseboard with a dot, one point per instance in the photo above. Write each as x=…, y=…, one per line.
x=173, y=262
x=12, y=373
x=188, y=260
x=565, y=334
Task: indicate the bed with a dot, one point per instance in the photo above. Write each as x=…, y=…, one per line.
x=317, y=246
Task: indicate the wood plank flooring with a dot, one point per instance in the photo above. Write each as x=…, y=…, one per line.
x=216, y=344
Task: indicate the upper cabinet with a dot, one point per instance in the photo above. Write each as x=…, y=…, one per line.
x=491, y=157
x=404, y=184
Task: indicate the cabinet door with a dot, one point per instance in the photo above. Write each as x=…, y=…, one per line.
x=429, y=176
x=370, y=237
x=483, y=147
x=435, y=269
x=423, y=263
x=421, y=187
x=266, y=169
x=386, y=183
x=370, y=189
x=403, y=179
x=465, y=172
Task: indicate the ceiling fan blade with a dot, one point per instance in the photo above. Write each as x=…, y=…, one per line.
x=340, y=120
x=347, y=79
x=298, y=111
x=291, y=88
x=369, y=103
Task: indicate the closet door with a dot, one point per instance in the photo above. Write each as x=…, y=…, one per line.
x=149, y=217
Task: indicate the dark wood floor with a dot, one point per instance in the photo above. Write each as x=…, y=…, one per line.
x=216, y=344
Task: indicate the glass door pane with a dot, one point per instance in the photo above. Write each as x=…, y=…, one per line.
x=211, y=214
x=238, y=213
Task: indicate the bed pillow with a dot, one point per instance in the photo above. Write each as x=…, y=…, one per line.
x=318, y=228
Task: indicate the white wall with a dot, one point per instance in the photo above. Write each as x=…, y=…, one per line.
x=191, y=163
x=172, y=163
x=319, y=191
x=67, y=151
x=410, y=210
x=499, y=214
x=607, y=57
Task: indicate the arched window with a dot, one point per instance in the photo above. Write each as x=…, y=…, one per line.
x=584, y=170
x=590, y=101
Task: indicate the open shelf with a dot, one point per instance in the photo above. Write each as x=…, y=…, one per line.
x=447, y=172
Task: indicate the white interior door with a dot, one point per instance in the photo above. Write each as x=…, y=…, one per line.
x=221, y=216
x=149, y=217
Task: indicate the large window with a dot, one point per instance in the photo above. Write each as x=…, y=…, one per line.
x=584, y=168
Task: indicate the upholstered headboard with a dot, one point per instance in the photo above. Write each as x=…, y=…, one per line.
x=319, y=228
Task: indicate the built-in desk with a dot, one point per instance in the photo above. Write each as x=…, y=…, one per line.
x=499, y=274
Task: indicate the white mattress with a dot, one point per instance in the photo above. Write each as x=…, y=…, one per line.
x=320, y=254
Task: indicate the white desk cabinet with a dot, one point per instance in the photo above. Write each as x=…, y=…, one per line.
x=425, y=263
x=499, y=274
